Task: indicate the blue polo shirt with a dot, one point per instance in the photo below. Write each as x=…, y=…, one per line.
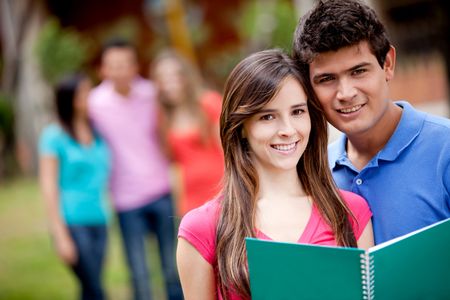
x=407, y=184
x=83, y=172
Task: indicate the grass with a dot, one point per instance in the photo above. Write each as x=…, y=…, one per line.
x=29, y=267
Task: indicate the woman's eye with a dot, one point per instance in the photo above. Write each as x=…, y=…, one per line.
x=266, y=117
x=297, y=112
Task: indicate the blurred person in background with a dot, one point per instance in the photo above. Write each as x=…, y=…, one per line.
x=189, y=126
x=123, y=108
x=74, y=168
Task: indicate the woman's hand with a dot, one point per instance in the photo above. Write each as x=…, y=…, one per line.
x=65, y=247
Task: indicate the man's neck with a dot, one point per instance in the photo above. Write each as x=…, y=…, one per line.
x=361, y=148
x=123, y=90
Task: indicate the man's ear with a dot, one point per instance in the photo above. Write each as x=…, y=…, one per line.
x=389, y=63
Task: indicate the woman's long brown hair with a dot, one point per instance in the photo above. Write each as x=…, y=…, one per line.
x=193, y=89
x=251, y=85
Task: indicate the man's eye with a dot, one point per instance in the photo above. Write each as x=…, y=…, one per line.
x=358, y=71
x=325, y=79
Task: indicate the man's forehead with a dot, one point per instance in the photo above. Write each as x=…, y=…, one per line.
x=343, y=56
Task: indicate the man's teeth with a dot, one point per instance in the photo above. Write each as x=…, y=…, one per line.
x=284, y=147
x=349, y=110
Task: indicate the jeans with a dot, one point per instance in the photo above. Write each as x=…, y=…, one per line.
x=155, y=217
x=90, y=242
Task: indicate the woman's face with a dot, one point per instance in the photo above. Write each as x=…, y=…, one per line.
x=168, y=77
x=278, y=134
x=81, y=97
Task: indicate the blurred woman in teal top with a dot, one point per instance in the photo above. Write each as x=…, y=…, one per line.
x=73, y=173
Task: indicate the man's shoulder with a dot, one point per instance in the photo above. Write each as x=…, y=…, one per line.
x=436, y=129
x=428, y=118
x=144, y=87
x=441, y=123
x=100, y=92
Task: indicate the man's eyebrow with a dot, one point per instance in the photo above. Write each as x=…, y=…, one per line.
x=321, y=75
x=360, y=65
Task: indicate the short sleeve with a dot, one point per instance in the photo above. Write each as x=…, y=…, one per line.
x=198, y=227
x=49, y=141
x=212, y=104
x=360, y=209
x=446, y=179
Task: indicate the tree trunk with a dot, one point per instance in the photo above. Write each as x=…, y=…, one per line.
x=22, y=79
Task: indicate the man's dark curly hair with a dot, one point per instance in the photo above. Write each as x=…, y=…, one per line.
x=333, y=24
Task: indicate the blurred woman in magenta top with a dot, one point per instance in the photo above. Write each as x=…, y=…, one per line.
x=189, y=127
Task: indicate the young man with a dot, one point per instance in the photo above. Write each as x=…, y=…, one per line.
x=396, y=157
x=123, y=110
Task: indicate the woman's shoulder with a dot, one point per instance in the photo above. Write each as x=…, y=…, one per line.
x=211, y=102
x=52, y=132
x=52, y=129
x=198, y=227
x=354, y=201
x=211, y=95
x=51, y=139
x=202, y=217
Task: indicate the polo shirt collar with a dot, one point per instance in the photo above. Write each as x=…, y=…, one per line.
x=407, y=130
x=339, y=156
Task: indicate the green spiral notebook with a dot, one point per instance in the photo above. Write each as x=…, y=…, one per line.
x=414, y=266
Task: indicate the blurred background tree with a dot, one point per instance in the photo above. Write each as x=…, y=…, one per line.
x=60, y=51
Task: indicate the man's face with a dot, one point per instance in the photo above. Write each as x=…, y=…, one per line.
x=352, y=87
x=119, y=65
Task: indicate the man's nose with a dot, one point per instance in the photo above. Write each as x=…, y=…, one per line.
x=346, y=90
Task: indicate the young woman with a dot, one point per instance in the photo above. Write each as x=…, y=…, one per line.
x=190, y=129
x=74, y=168
x=277, y=182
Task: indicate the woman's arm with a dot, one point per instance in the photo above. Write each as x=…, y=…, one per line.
x=196, y=274
x=48, y=178
x=365, y=241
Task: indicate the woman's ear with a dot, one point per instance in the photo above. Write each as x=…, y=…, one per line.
x=243, y=133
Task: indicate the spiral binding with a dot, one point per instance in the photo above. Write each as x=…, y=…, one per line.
x=368, y=276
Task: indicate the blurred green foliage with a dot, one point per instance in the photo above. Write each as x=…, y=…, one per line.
x=60, y=51
x=277, y=18
x=260, y=25
x=286, y=17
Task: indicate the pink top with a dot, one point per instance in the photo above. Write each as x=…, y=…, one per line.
x=139, y=169
x=198, y=226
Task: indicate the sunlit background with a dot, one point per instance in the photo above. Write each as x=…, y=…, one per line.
x=43, y=39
